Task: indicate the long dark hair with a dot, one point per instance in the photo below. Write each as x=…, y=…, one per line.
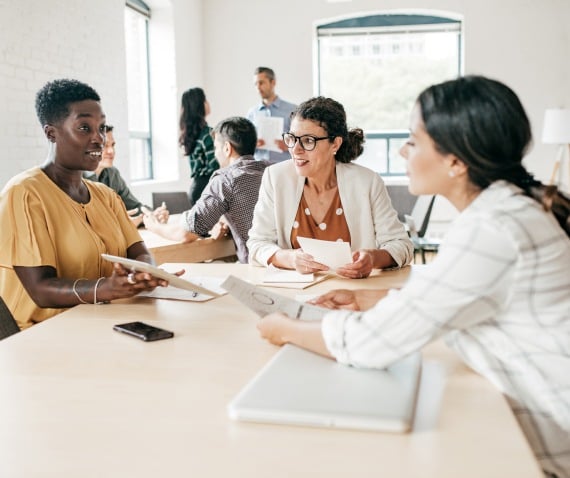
x=329, y=114
x=483, y=123
x=192, y=118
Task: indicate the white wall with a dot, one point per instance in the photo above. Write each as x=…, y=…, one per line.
x=216, y=44
x=523, y=43
x=41, y=41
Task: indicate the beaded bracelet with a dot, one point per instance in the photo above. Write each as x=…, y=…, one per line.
x=95, y=291
x=76, y=293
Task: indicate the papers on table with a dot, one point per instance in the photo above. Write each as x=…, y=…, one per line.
x=334, y=254
x=269, y=128
x=173, y=280
x=211, y=283
x=275, y=277
x=263, y=301
x=185, y=287
x=274, y=274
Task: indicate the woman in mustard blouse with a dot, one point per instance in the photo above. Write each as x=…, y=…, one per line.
x=54, y=226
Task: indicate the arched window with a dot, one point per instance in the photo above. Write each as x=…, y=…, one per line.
x=376, y=65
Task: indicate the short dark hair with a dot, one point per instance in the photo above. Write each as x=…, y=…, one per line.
x=266, y=71
x=240, y=132
x=54, y=98
x=329, y=114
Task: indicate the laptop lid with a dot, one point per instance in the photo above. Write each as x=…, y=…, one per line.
x=298, y=387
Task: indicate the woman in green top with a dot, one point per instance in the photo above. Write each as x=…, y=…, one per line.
x=196, y=139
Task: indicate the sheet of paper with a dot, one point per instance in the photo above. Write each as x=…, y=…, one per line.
x=264, y=302
x=269, y=128
x=211, y=283
x=274, y=274
x=334, y=254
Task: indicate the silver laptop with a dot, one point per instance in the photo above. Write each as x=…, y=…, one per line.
x=298, y=387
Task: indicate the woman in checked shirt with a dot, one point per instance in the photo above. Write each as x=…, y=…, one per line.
x=499, y=288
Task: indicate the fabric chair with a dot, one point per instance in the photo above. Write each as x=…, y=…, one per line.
x=417, y=223
x=8, y=325
x=402, y=200
x=176, y=201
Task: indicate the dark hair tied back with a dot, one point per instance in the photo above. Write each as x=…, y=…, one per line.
x=483, y=123
x=329, y=114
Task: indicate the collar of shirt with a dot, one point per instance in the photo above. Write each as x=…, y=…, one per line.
x=275, y=104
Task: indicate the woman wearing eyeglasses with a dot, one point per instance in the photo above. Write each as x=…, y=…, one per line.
x=320, y=194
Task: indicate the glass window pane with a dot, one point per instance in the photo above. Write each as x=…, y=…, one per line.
x=139, y=148
x=378, y=77
x=138, y=94
x=374, y=155
x=377, y=71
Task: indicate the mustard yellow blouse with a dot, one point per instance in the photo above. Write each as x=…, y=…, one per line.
x=40, y=225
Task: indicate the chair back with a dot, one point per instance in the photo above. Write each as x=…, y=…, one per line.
x=8, y=325
x=418, y=220
x=176, y=201
x=402, y=200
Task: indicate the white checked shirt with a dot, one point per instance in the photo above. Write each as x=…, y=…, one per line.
x=499, y=292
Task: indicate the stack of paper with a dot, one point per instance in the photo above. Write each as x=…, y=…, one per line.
x=275, y=277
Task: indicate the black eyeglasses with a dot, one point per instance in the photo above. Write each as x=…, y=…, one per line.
x=307, y=142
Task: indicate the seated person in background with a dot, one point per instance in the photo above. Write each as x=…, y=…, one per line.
x=498, y=290
x=232, y=191
x=54, y=225
x=107, y=174
x=320, y=194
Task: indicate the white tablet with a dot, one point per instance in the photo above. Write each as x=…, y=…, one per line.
x=173, y=280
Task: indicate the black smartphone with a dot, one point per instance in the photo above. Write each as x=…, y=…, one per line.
x=143, y=331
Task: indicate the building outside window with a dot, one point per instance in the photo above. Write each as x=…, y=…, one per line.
x=376, y=66
x=137, y=15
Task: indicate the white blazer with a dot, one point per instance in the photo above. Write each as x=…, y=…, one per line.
x=372, y=221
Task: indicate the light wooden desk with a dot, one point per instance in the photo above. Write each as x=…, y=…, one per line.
x=165, y=250
x=80, y=400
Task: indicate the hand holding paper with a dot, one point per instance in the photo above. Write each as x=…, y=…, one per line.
x=269, y=129
x=333, y=254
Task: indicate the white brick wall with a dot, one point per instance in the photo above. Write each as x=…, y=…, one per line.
x=44, y=40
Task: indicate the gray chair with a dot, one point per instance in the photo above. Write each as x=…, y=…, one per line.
x=176, y=201
x=8, y=325
x=402, y=200
x=417, y=223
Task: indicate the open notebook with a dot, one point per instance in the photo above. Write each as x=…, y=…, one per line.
x=298, y=387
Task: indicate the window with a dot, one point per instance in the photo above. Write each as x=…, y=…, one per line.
x=376, y=66
x=137, y=15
